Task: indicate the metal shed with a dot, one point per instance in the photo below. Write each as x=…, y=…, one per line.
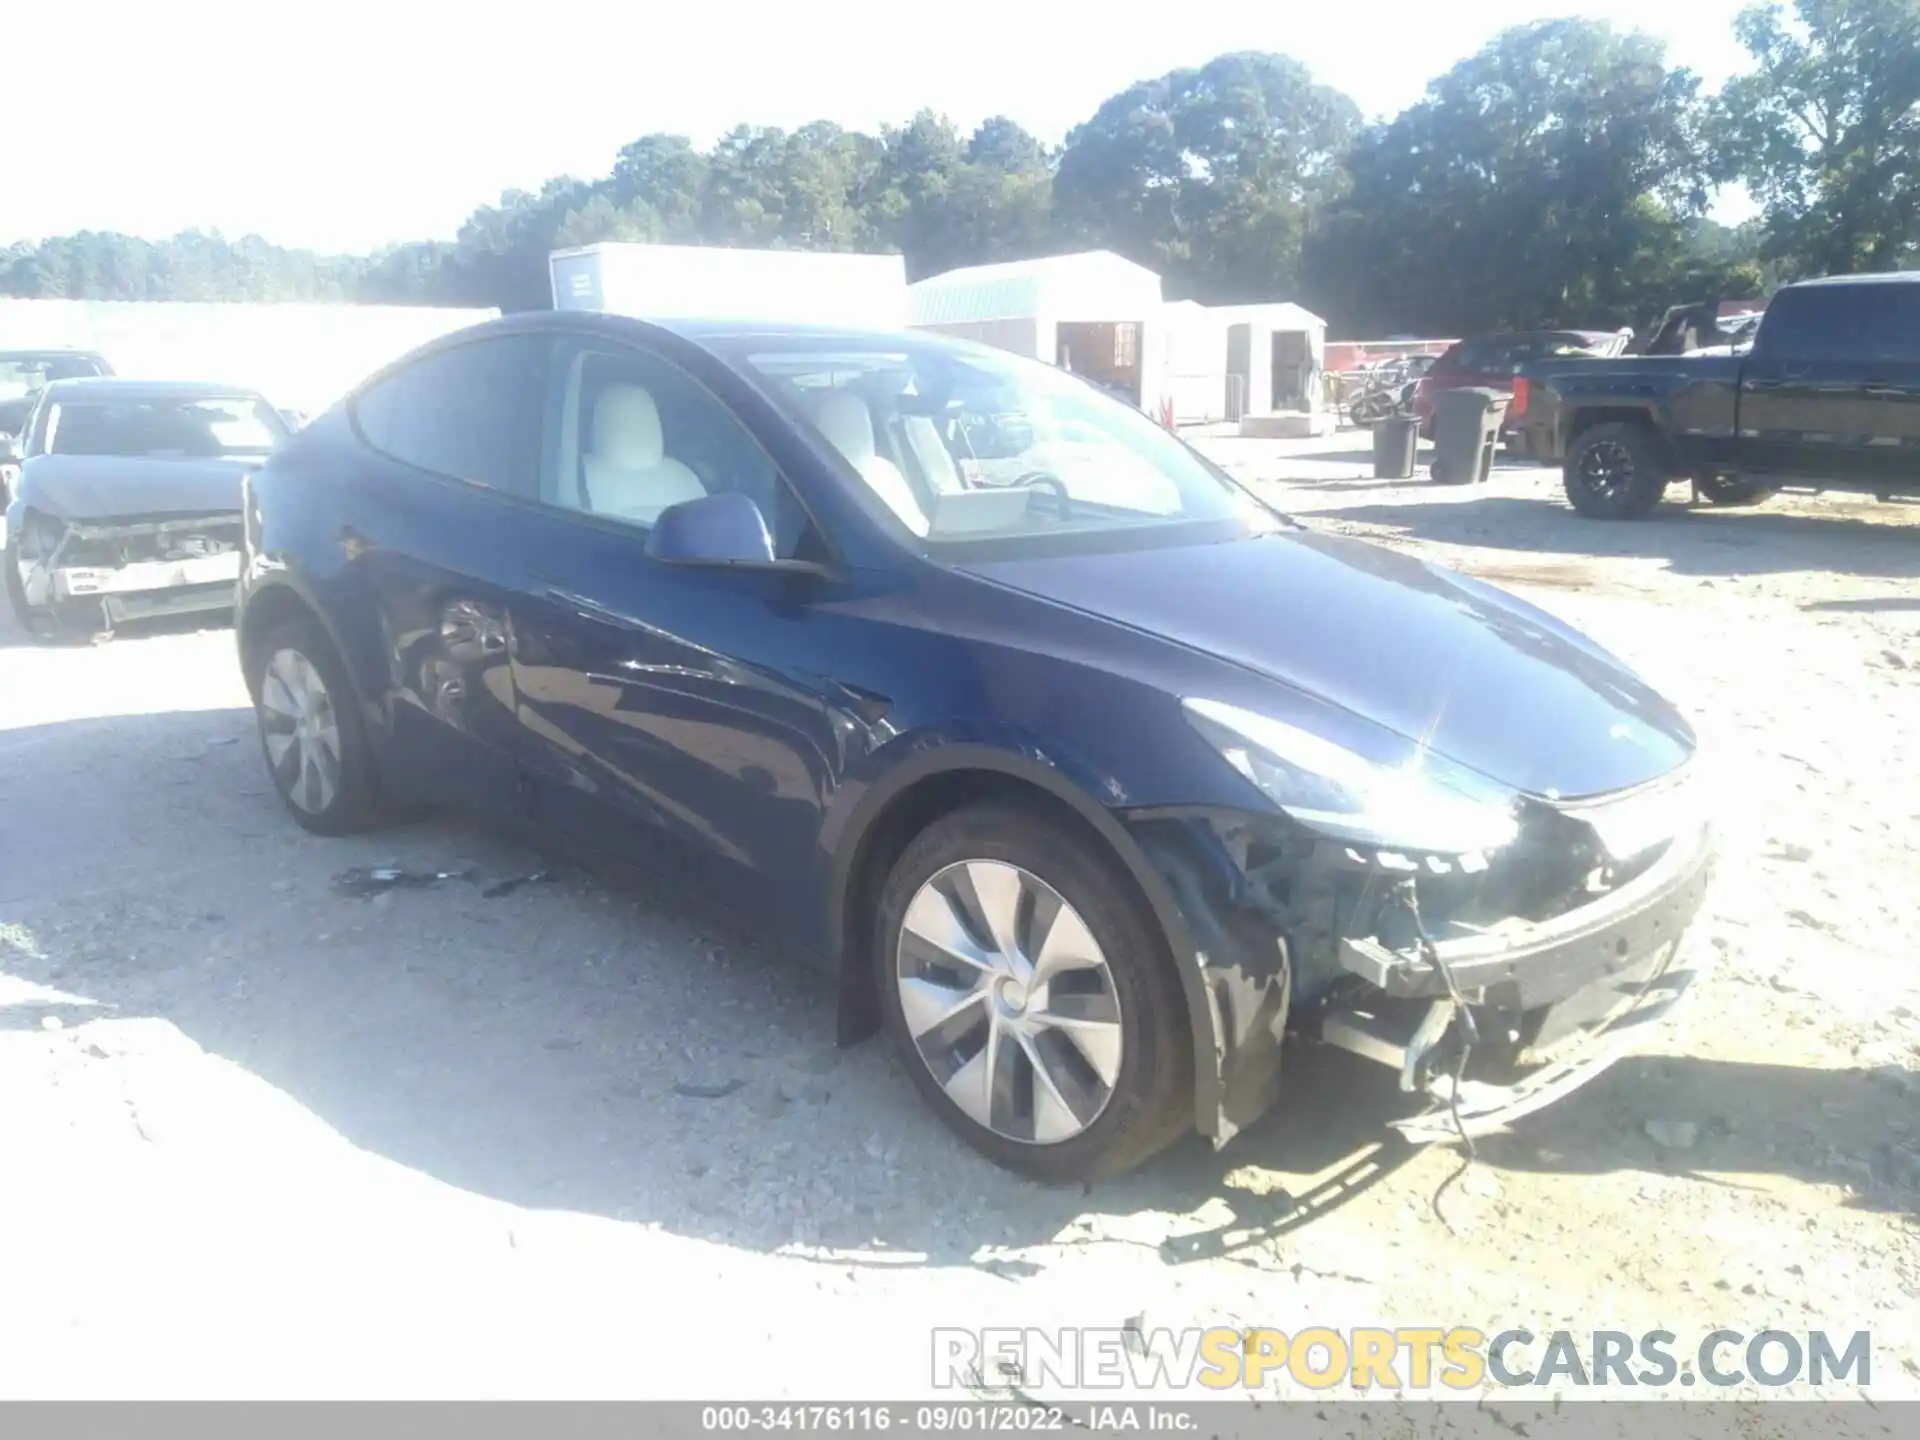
x=1093, y=312
x=1276, y=354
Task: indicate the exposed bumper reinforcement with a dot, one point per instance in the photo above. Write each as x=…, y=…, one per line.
x=1485, y=1108
x=78, y=582
x=1549, y=961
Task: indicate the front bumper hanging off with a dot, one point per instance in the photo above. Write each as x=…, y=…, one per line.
x=1560, y=1000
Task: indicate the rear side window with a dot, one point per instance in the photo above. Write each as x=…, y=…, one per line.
x=1862, y=322
x=471, y=412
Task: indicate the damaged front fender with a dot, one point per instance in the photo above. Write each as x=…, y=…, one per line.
x=1238, y=967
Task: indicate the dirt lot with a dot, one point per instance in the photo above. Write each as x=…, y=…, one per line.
x=261, y=1138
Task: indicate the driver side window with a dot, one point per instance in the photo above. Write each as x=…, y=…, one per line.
x=628, y=434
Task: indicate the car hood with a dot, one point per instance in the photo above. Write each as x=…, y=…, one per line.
x=112, y=487
x=1480, y=676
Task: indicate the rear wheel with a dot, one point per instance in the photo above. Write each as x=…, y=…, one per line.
x=310, y=731
x=1616, y=471
x=1719, y=491
x=1032, y=996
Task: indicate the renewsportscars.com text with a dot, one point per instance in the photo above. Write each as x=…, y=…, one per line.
x=1405, y=1358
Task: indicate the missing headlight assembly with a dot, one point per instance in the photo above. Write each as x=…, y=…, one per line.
x=1537, y=958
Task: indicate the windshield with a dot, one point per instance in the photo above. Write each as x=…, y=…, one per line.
x=962, y=444
x=184, y=427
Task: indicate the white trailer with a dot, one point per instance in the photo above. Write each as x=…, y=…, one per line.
x=667, y=282
x=300, y=356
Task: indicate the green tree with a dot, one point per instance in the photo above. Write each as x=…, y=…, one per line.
x=1547, y=180
x=658, y=181
x=1826, y=132
x=944, y=203
x=1209, y=175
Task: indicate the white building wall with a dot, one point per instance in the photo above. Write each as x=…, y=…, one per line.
x=1193, y=340
x=1018, y=337
x=722, y=283
x=303, y=356
x=1089, y=287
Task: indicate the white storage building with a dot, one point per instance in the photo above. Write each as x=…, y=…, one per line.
x=1275, y=355
x=1094, y=313
x=1104, y=317
x=300, y=356
x=720, y=283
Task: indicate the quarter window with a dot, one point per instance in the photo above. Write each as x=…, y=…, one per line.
x=471, y=412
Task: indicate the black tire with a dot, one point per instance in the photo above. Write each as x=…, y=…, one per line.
x=357, y=802
x=1150, y=1104
x=1616, y=471
x=1726, y=494
x=71, y=622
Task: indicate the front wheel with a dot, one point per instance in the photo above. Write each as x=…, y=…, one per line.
x=1032, y=995
x=1616, y=471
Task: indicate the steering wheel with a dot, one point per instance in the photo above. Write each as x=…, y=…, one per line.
x=1045, y=481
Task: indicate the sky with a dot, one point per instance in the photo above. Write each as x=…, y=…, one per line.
x=349, y=124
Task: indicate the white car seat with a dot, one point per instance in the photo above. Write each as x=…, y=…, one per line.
x=844, y=419
x=627, y=470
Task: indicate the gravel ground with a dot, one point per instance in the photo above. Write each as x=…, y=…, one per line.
x=259, y=1138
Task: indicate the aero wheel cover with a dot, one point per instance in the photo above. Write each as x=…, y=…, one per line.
x=301, y=731
x=1010, y=1002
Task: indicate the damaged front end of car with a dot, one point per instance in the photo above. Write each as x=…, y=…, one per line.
x=1496, y=951
x=134, y=568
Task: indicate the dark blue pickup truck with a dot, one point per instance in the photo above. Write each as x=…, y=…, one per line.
x=1827, y=397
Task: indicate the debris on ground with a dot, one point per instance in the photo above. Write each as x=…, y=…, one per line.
x=512, y=883
x=707, y=1090
x=364, y=882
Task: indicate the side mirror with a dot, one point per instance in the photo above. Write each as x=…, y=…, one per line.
x=724, y=529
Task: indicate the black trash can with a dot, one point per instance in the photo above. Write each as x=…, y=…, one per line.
x=1396, y=442
x=1466, y=433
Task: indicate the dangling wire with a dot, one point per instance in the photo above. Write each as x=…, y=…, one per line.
x=1470, y=1032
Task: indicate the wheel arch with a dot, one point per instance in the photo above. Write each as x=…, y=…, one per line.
x=275, y=601
x=938, y=782
x=1589, y=417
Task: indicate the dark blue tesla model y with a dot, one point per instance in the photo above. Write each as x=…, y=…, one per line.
x=1094, y=781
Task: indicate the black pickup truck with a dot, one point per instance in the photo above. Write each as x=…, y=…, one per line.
x=1828, y=397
